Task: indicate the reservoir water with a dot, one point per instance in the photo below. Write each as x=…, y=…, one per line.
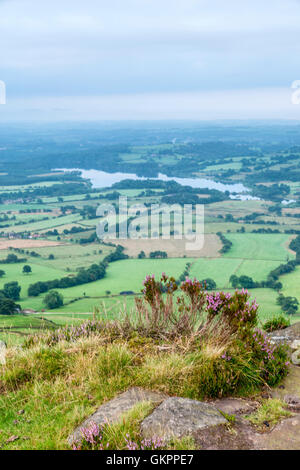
x=102, y=179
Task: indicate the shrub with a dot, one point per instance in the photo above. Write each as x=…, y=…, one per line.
x=276, y=323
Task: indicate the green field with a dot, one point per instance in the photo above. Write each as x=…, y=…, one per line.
x=125, y=275
x=69, y=257
x=260, y=246
x=44, y=224
x=39, y=273
x=291, y=283
x=15, y=328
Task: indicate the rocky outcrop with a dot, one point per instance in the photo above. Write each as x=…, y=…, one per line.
x=178, y=417
x=291, y=337
x=2, y=352
x=113, y=410
x=289, y=389
x=287, y=335
x=209, y=424
x=285, y=436
x=295, y=356
x=235, y=406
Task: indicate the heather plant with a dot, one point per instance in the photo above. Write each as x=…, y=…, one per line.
x=95, y=437
x=160, y=315
x=273, y=359
x=195, y=311
x=230, y=319
x=155, y=311
x=122, y=435
x=91, y=439
x=236, y=310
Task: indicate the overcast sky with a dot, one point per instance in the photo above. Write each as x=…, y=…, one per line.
x=149, y=59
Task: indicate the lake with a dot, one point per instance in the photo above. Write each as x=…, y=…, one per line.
x=102, y=179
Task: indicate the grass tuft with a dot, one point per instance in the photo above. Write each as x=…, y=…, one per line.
x=271, y=412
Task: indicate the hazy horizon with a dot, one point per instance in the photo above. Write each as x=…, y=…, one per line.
x=132, y=60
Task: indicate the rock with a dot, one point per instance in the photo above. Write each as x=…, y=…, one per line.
x=295, y=357
x=285, y=436
x=239, y=437
x=293, y=402
x=113, y=410
x=287, y=335
x=2, y=352
x=178, y=417
x=291, y=385
x=235, y=406
x=295, y=344
x=243, y=436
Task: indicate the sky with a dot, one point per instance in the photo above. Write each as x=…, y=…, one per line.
x=149, y=59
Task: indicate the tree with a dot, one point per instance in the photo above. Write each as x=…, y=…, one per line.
x=36, y=289
x=2, y=273
x=209, y=284
x=51, y=256
x=234, y=281
x=8, y=306
x=12, y=290
x=53, y=300
x=158, y=254
x=11, y=258
x=142, y=255
x=247, y=282
x=27, y=269
x=289, y=305
x=229, y=218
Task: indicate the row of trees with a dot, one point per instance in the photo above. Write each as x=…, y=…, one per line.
x=11, y=259
x=84, y=276
x=227, y=244
x=8, y=295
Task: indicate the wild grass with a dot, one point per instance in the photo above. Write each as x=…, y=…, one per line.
x=271, y=412
x=205, y=350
